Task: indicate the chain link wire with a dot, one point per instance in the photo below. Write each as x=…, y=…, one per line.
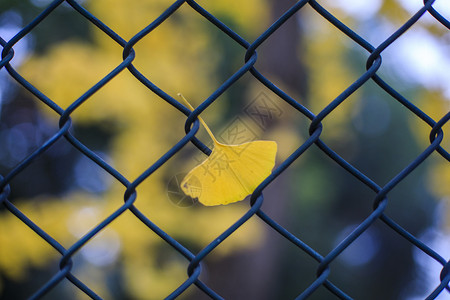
x=381, y=193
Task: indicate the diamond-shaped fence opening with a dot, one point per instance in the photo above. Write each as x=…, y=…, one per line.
x=93, y=156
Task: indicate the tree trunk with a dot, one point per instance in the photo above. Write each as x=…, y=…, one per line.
x=254, y=274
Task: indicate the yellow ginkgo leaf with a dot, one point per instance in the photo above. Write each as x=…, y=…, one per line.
x=231, y=172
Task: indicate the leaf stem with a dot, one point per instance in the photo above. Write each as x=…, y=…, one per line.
x=200, y=119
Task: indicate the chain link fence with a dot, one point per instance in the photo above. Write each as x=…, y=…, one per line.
x=381, y=193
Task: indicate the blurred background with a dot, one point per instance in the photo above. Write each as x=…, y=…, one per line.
x=130, y=127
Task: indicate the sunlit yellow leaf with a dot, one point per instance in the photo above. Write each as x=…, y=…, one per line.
x=231, y=172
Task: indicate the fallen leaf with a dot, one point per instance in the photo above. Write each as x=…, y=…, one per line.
x=231, y=172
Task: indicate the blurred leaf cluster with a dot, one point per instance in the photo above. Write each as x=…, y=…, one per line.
x=135, y=121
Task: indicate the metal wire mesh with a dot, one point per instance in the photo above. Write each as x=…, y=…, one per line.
x=381, y=193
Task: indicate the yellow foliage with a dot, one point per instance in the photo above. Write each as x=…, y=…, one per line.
x=240, y=12
x=177, y=56
x=330, y=80
x=394, y=11
x=439, y=178
x=434, y=104
x=21, y=246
